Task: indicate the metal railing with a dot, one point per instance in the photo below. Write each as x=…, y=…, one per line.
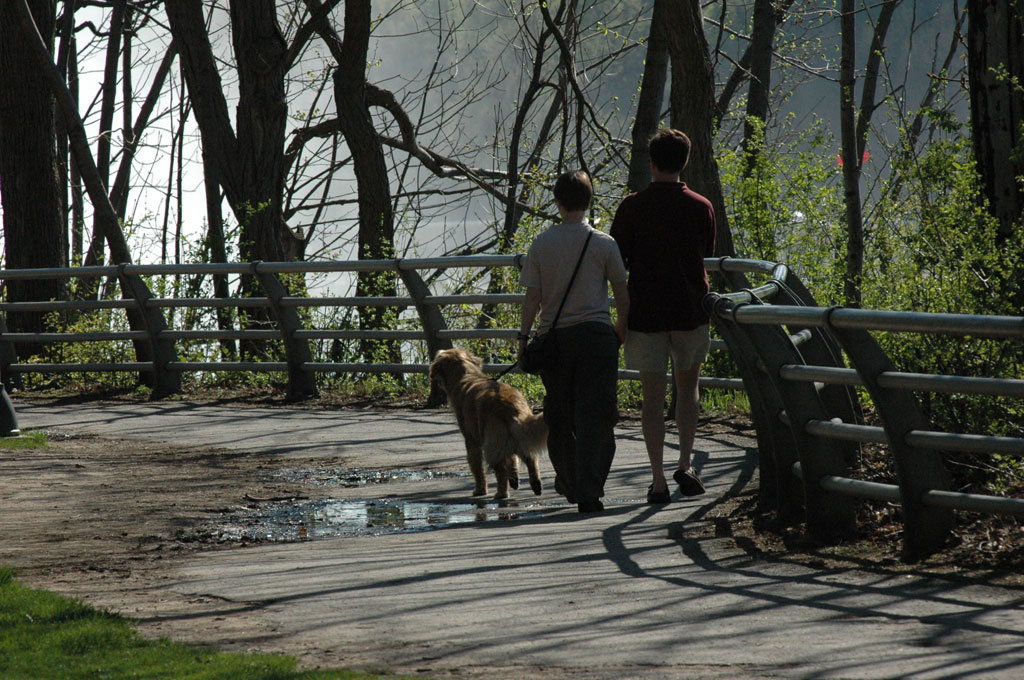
x=800, y=363
x=156, y=344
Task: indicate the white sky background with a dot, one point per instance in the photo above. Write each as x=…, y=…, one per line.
x=399, y=61
x=401, y=57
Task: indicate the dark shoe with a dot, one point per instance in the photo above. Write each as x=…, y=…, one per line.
x=688, y=481
x=589, y=507
x=658, y=497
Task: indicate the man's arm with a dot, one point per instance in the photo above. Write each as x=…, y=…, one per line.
x=620, y=231
x=709, y=246
x=621, y=294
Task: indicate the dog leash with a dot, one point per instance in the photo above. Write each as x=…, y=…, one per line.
x=572, y=279
x=506, y=371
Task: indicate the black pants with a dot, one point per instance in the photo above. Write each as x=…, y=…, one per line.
x=581, y=408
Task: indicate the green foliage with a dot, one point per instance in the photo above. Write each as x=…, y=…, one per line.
x=930, y=246
x=91, y=352
x=937, y=249
x=783, y=206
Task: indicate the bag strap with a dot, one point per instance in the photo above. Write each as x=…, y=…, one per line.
x=564, y=297
x=572, y=280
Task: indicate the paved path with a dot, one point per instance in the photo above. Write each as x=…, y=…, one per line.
x=626, y=594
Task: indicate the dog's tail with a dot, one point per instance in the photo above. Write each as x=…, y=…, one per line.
x=532, y=433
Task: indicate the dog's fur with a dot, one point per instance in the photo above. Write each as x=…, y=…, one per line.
x=495, y=419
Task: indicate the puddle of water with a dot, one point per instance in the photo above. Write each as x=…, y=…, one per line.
x=357, y=477
x=309, y=519
x=300, y=520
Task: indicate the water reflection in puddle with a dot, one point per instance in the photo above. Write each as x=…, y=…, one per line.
x=299, y=520
x=357, y=477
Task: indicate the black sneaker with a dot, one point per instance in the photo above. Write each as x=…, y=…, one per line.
x=688, y=481
x=590, y=507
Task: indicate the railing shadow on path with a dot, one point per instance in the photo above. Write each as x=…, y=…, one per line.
x=622, y=589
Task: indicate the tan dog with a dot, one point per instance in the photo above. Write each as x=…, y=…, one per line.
x=495, y=419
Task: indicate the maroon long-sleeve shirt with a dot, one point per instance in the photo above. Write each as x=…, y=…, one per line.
x=664, y=233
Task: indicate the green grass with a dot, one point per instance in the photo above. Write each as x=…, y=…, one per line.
x=44, y=635
x=719, y=402
x=27, y=440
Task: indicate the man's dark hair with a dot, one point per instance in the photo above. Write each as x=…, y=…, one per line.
x=574, y=190
x=670, y=150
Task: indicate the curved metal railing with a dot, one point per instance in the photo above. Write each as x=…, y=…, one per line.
x=800, y=362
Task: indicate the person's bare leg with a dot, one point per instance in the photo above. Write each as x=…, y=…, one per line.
x=652, y=419
x=687, y=402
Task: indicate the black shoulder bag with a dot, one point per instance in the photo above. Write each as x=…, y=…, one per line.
x=541, y=352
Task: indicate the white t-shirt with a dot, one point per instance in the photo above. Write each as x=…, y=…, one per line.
x=549, y=265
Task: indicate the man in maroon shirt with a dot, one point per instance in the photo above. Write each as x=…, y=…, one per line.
x=664, y=233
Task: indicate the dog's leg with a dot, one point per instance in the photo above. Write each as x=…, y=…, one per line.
x=534, y=471
x=501, y=474
x=513, y=472
x=475, y=457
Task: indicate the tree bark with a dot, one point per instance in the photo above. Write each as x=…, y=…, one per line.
x=762, y=41
x=34, y=228
x=376, y=219
x=250, y=166
x=261, y=117
x=45, y=68
x=854, y=126
x=376, y=238
x=851, y=161
x=692, y=100
x=651, y=100
x=995, y=47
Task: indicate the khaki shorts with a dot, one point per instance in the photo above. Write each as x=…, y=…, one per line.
x=649, y=352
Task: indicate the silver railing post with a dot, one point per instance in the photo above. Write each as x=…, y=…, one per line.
x=918, y=470
x=822, y=349
x=161, y=352
x=301, y=383
x=830, y=516
x=432, y=320
x=779, y=488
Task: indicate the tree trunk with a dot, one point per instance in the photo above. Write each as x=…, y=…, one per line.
x=376, y=219
x=109, y=98
x=67, y=64
x=53, y=83
x=262, y=57
x=34, y=231
x=651, y=100
x=851, y=162
x=218, y=252
x=762, y=40
x=995, y=48
x=854, y=128
x=250, y=166
x=692, y=100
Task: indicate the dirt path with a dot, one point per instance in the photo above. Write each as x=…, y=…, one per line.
x=103, y=519
x=113, y=521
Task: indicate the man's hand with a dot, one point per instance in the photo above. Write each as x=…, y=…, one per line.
x=523, y=339
x=620, y=329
